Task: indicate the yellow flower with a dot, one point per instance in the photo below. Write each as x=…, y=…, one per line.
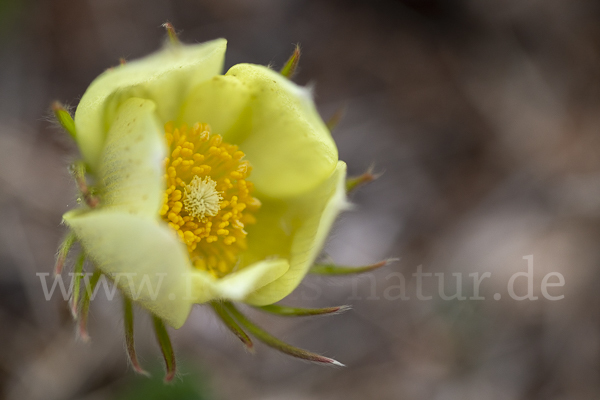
x=204, y=188
x=209, y=186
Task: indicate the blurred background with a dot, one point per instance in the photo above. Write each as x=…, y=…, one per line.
x=483, y=115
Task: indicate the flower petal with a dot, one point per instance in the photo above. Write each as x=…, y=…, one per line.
x=132, y=164
x=141, y=255
x=308, y=221
x=221, y=102
x=283, y=136
x=238, y=285
x=165, y=76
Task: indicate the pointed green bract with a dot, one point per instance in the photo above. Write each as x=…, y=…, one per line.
x=63, y=252
x=77, y=276
x=171, y=33
x=84, y=307
x=129, y=339
x=232, y=325
x=334, y=269
x=164, y=341
x=289, y=69
x=275, y=343
x=285, y=311
x=355, y=181
x=335, y=119
x=79, y=170
x=63, y=117
x=164, y=77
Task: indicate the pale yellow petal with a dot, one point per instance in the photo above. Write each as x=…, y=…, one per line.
x=165, y=77
x=298, y=228
x=221, y=102
x=238, y=285
x=143, y=256
x=283, y=136
x=132, y=164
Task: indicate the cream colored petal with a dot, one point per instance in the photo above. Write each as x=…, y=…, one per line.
x=165, y=77
x=131, y=168
x=143, y=256
x=303, y=228
x=221, y=102
x=238, y=285
x=283, y=136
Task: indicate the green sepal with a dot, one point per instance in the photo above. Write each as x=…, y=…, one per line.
x=333, y=269
x=232, y=325
x=335, y=119
x=85, y=304
x=63, y=251
x=77, y=276
x=275, y=343
x=355, y=181
x=78, y=170
x=64, y=118
x=162, y=336
x=129, y=340
x=289, y=69
x=171, y=33
x=285, y=311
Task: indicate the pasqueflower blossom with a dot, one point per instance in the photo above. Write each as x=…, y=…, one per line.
x=201, y=187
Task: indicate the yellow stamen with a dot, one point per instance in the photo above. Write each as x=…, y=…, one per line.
x=207, y=199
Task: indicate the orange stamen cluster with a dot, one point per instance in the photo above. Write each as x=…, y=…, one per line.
x=208, y=200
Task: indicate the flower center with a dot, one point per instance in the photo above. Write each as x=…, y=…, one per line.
x=201, y=198
x=207, y=200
